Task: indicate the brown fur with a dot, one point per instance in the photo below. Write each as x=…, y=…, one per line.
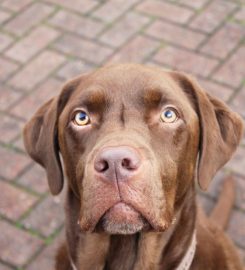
x=124, y=103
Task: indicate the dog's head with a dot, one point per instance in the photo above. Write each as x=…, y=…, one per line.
x=131, y=139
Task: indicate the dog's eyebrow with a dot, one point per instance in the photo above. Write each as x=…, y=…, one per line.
x=152, y=97
x=95, y=100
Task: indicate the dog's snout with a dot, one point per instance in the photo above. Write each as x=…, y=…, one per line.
x=117, y=163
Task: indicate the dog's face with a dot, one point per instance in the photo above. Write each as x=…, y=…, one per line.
x=130, y=137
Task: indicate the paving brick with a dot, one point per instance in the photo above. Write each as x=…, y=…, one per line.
x=4, y=267
x=216, y=90
x=45, y=259
x=236, y=227
x=34, y=42
x=37, y=70
x=35, y=179
x=17, y=246
x=197, y=4
x=185, y=61
x=232, y=72
x=82, y=48
x=238, y=102
x=5, y=41
x=213, y=15
x=73, y=68
x=14, y=201
x=165, y=10
x=69, y=21
x=10, y=128
x=12, y=163
x=240, y=15
x=28, y=106
x=28, y=18
x=18, y=143
x=8, y=97
x=15, y=5
x=243, y=140
x=224, y=41
x=175, y=34
x=237, y=163
x=47, y=217
x=151, y=63
x=4, y=16
x=111, y=10
x=124, y=29
x=7, y=67
x=135, y=50
x=75, y=5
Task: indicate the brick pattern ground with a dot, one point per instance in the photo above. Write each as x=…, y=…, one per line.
x=45, y=42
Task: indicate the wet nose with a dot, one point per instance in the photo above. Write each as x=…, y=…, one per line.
x=117, y=163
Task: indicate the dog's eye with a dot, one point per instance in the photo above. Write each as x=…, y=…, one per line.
x=81, y=119
x=169, y=115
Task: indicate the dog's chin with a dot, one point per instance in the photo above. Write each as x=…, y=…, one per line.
x=121, y=228
x=123, y=219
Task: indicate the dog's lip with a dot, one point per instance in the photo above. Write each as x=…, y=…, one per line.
x=154, y=224
x=147, y=216
x=121, y=213
x=144, y=215
x=121, y=210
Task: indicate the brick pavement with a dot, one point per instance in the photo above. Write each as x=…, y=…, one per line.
x=45, y=42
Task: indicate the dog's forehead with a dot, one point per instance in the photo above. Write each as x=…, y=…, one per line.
x=127, y=81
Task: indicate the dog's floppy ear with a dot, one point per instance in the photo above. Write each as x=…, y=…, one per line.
x=221, y=129
x=41, y=136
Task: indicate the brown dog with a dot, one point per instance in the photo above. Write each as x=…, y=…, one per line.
x=132, y=140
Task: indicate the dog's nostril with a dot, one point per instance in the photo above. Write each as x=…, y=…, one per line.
x=127, y=164
x=101, y=166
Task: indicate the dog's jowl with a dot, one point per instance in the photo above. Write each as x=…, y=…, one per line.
x=134, y=140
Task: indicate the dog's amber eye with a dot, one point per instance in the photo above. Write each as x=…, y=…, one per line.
x=169, y=115
x=81, y=118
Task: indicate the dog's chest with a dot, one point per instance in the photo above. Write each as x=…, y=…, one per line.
x=122, y=253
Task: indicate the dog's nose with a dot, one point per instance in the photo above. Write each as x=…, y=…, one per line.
x=117, y=163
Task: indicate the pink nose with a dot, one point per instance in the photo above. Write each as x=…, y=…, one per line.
x=117, y=163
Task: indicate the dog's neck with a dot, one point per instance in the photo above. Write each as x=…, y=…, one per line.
x=140, y=251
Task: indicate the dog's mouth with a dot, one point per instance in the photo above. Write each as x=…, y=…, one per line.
x=122, y=218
